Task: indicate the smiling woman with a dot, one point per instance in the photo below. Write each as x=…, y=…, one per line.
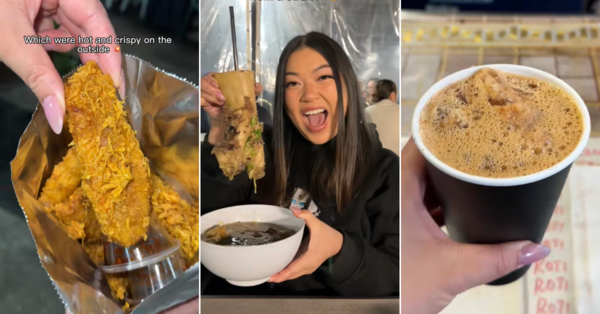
x=325, y=163
x=311, y=95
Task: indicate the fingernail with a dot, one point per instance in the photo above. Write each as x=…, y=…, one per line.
x=54, y=113
x=122, y=90
x=532, y=253
x=220, y=96
x=49, y=47
x=296, y=210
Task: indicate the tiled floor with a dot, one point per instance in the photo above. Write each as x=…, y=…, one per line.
x=586, y=87
x=497, y=59
x=574, y=66
x=24, y=285
x=406, y=114
x=547, y=64
x=595, y=116
x=419, y=74
x=459, y=62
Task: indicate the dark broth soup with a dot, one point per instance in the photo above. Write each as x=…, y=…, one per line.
x=246, y=234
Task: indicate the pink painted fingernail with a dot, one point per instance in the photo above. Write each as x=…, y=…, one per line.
x=49, y=47
x=54, y=113
x=532, y=253
x=220, y=96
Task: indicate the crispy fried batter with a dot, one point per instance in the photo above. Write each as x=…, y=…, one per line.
x=63, y=181
x=104, y=186
x=94, y=248
x=75, y=214
x=92, y=226
x=118, y=285
x=64, y=199
x=182, y=164
x=176, y=215
x=116, y=175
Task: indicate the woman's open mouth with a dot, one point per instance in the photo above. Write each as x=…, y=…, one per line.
x=315, y=119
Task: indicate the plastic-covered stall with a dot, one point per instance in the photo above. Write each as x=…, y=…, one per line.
x=368, y=30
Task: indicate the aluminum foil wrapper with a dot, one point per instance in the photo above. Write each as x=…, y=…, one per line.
x=164, y=111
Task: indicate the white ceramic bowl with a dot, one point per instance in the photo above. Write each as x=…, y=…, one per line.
x=250, y=265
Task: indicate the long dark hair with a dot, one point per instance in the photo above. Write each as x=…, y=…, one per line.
x=384, y=89
x=333, y=176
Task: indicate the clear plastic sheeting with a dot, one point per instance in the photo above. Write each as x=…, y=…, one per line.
x=217, y=50
x=368, y=30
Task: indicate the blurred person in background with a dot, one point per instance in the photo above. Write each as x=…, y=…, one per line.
x=386, y=115
x=371, y=90
x=361, y=89
x=264, y=115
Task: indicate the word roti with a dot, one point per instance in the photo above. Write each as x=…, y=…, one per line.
x=127, y=40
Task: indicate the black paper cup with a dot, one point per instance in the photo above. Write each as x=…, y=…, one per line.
x=483, y=210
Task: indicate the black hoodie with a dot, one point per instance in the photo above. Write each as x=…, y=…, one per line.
x=367, y=265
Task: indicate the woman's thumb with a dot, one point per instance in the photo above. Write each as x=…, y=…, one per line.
x=32, y=63
x=46, y=84
x=481, y=264
x=305, y=214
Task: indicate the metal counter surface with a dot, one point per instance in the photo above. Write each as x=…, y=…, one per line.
x=230, y=305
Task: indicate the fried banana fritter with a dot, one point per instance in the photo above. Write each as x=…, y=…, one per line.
x=64, y=199
x=118, y=286
x=116, y=175
x=180, y=220
x=77, y=215
x=94, y=248
x=63, y=181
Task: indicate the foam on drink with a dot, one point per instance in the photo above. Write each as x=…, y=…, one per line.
x=501, y=125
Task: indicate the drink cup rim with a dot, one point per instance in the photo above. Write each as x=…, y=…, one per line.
x=486, y=181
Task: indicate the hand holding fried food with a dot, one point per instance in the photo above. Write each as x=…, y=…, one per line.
x=242, y=147
x=103, y=188
x=116, y=175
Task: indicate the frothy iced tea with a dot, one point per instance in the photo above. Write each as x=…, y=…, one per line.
x=501, y=125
